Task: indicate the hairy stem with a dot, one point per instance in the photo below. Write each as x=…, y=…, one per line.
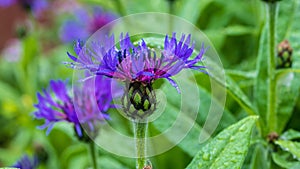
x=140, y=131
x=271, y=109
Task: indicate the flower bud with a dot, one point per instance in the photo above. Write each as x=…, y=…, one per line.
x=139, y=100
x=284, y=55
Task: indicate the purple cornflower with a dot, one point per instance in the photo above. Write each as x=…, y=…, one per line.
x=138, y=66
x=139, y=63
x=26, y=163
x=36, y=6
x=84, y=24
x=57, y=104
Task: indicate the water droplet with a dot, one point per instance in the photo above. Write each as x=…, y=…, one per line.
x=239, y=152
x=206, y=156
x=242, y=128
x=226, y=164
x=233, y=160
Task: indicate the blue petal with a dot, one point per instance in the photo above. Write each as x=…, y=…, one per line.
x=174, y=84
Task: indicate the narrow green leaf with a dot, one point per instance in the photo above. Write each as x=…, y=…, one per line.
x=235, y=91
x=290, y=135
x=246, y=75
x=228, y=149
x=260, y=158
x=238, y=30
x=290, y=146
x=243, y=78
x=260, y=87
x=239, y=96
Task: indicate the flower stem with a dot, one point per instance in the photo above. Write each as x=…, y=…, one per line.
x=140, y=132
x=93, y=154
x=271, y=109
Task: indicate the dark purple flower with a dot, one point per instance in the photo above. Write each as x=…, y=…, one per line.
x=139, y=63
x=87, y=107
x=26, y=163
x=36, y=6
x=84, y=24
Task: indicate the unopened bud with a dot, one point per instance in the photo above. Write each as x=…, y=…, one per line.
x=284, y=55
x=139, y=100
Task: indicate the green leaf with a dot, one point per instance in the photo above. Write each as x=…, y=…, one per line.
x=290, y=146
x=288, y=86
x=235, y=91
x=175, y=103
x=191, y=9
x=68, y=156
x=288, y=82
x=228, y=149
x=260, y=158
x=285, y=20
x=290, y=135
x=243, y=78
x=295, y=166
x=109, y=163
x=190, y=144
x=260, y=87
x=238, y=30
x=283, y=161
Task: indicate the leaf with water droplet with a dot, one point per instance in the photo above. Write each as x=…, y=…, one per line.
x=290, y=146
x=290, y=135
x=283, y=160
x=229, y=147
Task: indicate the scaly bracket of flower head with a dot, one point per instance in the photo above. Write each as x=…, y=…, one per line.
x=57, y=105
x=284, y=55
x=138, y=66
x=139, y=100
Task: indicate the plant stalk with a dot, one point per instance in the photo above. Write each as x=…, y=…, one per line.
x=271, y=109
x=140, y=132
x=93, y=155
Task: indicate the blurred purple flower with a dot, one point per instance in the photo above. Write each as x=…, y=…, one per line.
x=36, y=6
x=139, y=63
x=13, y=51
x=84, y=24
x=26, y=163
x=87, y=107
x=6, y=3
